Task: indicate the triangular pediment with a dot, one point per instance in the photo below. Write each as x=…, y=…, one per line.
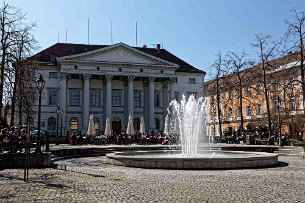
x=118, y=54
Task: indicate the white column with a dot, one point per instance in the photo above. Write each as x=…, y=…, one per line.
x=86, y=102
x=146, y=98
x=165, y=100
x=63, y=100
x=172, y=81
x=108, y=96
x=130, y=95
x=151, y=107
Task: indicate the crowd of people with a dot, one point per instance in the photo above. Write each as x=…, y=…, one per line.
x=122, y=139
x=12, y=140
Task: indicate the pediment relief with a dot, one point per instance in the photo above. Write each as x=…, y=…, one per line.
x=120, y=53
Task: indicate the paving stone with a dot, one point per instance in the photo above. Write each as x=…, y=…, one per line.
x=91, y=179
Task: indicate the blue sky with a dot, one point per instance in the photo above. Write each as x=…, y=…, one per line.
x=194, y=30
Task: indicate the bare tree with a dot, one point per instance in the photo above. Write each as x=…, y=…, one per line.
x=240, y=77
x=218, y=80
x=17, y=43
x=266, y=52
x=296, y=30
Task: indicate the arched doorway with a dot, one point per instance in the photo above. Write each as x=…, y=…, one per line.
x=116, y=125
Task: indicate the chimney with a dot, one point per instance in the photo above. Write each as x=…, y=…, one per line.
x=158, y=48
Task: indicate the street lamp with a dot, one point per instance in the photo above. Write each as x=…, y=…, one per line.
x=40, y=82
x=279, y=118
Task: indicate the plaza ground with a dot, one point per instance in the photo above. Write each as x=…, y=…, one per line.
x=91, y=179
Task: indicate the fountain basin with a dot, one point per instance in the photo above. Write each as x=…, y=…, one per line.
x=203, y=160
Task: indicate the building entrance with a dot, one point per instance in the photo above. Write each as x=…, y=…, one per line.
x=116, y=125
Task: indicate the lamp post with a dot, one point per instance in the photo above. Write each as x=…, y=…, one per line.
x=40, y=82
x=279, y=119
x=59, y=113
x=57, y=119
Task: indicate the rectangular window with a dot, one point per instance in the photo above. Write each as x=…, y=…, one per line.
x=74, y=97
x=230, y=95
x=237, y=94
x=137, y=98
x=192, y=81
x=248, y=91
x=95, y=98
x=52, y=96
x=192, y=93
x=230, y=113
x=52, y=74
x=258, y=89
x=116, y=98
x=177, y=96
x=238, y=112
x=291, y=85
x=292, y=102
x=248, y=110
x=258, y=109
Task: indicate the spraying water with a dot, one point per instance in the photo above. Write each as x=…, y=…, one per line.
x=187, y=122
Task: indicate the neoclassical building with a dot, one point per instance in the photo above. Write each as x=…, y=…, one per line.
x=111, y=81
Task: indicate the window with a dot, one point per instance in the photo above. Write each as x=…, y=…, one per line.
x=136, y=123
x=52, y=96
x=96, y=124
x=230, y=113
x=177, y=95
x=52, y=74
x=137, y=98
x=258, y=89
x=275, y=103
x=238, y=111
x=95, y=98
x=74, y=97
x=192, y=81
x=258, y=109
x=237, y=94
x=291, y=85
x=292, y=102
x=116, y=98
x=248, y=110
x=248, y=91
x=51, y=123
x=157, y=99
x=74, y=124
x=192, y=93
x=230, y=94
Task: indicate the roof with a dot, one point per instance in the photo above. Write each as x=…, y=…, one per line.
x=66, y=49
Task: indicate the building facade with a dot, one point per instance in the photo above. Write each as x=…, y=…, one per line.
x=284, y=98
x=111, y=81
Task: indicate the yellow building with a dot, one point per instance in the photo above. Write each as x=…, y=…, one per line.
x=246, y=99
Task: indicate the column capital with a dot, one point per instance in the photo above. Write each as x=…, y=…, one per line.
x=108, y=78
x=151, y=79
x=86, y=76
x=130, y=78
x=172, y=80
x=165, y=84
x=63, y=76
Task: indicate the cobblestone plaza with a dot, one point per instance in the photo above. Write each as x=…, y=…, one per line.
x=91, y=179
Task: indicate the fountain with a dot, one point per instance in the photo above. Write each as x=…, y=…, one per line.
x=186, y=120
